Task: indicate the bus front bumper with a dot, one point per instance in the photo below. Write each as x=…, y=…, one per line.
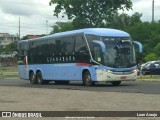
x=109, y=76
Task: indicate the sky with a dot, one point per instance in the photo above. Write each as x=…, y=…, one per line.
x=36, y=16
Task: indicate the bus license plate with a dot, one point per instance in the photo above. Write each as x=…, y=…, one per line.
x=123, y=77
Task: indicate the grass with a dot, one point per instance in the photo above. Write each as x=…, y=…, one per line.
x=8, y=72
x=9, y=76
x=149, y=77
x=8, y=69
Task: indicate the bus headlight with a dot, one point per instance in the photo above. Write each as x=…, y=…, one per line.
x=109, y=71
x=134, y=70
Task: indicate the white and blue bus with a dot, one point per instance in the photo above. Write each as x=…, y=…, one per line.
x=89, y=55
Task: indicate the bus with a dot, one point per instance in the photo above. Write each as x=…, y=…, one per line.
x=90, y=55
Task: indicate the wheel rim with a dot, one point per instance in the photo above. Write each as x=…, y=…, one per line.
x=88, y=79
x=39, y=78
x=32, y=77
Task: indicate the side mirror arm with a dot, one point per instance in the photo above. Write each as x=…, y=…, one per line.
x=101, y=44
x=139, y=45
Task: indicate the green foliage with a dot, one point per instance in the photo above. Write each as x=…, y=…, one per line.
x=89, y=13
x=122, y=21
x=157, y=49
x=149, y=35
x=62, y=27
x=9, y=48
x=150, y=57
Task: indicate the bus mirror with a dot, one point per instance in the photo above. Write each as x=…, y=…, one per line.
x=139, y=46
x=97, y=53
x=140, y=49
x=101, y=44
x=99, y=49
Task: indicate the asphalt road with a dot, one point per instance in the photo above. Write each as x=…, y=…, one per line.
x=20, y=95
x=145, y=87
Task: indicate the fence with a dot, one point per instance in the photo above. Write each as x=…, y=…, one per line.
x=8, y=61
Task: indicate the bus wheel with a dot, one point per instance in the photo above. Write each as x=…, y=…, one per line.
x=116, y=83
x=87, y=81
x=39, y=78
x=32, y=78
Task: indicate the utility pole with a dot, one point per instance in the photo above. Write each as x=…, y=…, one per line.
x=19, y=28
x=46, y=27
x=153, y=11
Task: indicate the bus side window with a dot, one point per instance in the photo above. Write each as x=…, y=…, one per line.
x=20, y=49
x=90, y=39
x=58, y=46
x=80, y=45
x=24, y=48
x=65, y=45
x=68, y=45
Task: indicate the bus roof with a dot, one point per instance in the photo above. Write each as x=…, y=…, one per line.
x=94, y=31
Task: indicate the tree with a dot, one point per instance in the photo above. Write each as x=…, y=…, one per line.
x=148, y=34
x=62, y=27
x=150, y=57
x=9, y=48
x=136, y=18
x=89, y=13
x=157, y=50
x=122, y=21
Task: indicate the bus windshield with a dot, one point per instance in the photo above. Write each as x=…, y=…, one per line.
x=119, y=52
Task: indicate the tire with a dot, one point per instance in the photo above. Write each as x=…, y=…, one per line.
x=62, y=82
x=39, y=78
x=32, y=78
x=87, y=81
x=116, y=83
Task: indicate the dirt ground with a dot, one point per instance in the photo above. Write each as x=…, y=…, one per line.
x=13, y=98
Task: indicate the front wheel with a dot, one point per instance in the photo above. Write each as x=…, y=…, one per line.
x=87, y=81
x=116, y=83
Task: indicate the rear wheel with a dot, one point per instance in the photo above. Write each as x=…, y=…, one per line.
x=87, y=81
x=32, y=78
x=116, y=83
x=39, y=78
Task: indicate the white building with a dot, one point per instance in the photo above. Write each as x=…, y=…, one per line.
x=6, y=39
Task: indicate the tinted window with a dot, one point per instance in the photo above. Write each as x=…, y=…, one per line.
x=68, y=45
x=23, y=47
x=90, y=38
x=80, y=46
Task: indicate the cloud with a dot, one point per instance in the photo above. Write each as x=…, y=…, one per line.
x=18, y=8
x=32, y=13
x=145, y=7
